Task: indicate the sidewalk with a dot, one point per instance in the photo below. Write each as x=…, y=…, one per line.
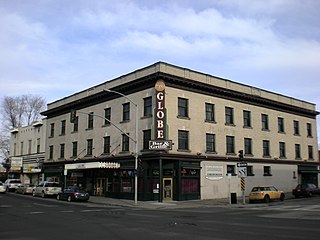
x=166, y=204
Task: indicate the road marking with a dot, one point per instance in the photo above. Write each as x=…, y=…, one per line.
x=67, y=211
x=44, y=205
x=34, y=212
x=5, y=206
x=92, y=210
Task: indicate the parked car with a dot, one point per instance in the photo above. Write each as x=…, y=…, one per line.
x=45, y=189
x=73, y=193
x=265, y=194
x=306, y=190
x=25, y=189
x=12, y=184
x=2, y=188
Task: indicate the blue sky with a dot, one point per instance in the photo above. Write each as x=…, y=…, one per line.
x=55, y=48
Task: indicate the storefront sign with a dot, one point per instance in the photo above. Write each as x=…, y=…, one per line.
x=91, y=165
x=160, y=145
x=16, y=162
x=214, y=172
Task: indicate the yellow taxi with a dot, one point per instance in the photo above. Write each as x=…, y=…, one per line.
x=265, y=194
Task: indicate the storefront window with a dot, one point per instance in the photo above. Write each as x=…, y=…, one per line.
x=190, y=185
x=126, y=185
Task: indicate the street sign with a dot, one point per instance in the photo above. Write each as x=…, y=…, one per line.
x=242, y=164
x=242, y=172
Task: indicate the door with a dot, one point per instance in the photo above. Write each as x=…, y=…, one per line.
x=100, y=187
x=167, y=189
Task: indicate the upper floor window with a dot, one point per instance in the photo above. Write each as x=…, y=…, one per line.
x=21, y=148
x=38, y=145
x=183, y=140
x=265, y=121
x=76, y=124
x=29, y=146
x=246, y=118
x=297, y=149
x=229, y=116
x=266, y=148
x=230, y=145
x=248, y=146
x=210, y=112
x=106, y=145
x=296, y=128
x=50, y=152
x=282, y=149
x=125, y=143
x=147, y=107
x=267, y=171
x=231, y=169
x=62, y=147
x=74, y=149
x=183, y=110
x=63, y=127
x=126, y=112
x=89, y=147
x=146, y=139
x=90, y=120
x=107, y=116
x=309, y=130
x=51, y=130
x=280, y=125
x=310, y=152
x=210, y=142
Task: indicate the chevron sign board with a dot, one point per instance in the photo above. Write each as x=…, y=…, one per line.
x=242, y=172
x=243, y=184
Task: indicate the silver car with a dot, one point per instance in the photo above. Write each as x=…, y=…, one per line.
x=45, y=189
x=12, y=184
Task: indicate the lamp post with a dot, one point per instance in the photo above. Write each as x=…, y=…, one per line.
x=136, y=141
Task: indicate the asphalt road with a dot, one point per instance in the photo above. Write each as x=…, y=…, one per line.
x=26, y=217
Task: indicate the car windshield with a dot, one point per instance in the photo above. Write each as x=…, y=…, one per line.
x=258, y=189
x=15, y=181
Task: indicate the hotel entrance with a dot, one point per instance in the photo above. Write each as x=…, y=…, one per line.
x=100, y=187
x=167, y=189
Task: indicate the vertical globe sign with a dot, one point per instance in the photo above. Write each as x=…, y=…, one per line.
x=160, y=141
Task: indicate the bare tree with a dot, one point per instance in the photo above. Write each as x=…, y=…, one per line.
x=21, y=110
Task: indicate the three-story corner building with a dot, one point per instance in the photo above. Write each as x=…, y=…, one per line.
x=27, y=152
x=190, y=129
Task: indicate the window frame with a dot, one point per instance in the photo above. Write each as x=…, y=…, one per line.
x=210, y=143
x=126, y=112
x=183, y=140
x=229, y=116
x=247, y=119
x=265, y=122
x=147, y=106
x=210, y=112
x=183, y=107
x=230, y=145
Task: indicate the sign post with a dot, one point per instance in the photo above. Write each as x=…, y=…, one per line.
x=242, y=174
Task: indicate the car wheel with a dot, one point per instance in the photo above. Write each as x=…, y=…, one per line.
x=43, y=195
x=282, y=197
x=34, y=193
x=58, y=197
x=266, y=198
x=69, y=199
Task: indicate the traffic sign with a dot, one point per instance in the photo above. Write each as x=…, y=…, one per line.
x=242, y=172
x=242, y=164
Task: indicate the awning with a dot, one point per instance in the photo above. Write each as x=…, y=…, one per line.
x=91, y=165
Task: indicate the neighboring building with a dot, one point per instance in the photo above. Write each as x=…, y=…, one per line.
x=27, y=152
x=91, y=136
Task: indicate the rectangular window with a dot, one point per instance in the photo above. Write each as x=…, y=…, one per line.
x=38, y=145
x=21, y=148
x=106, y=145
x=296, y=128
x=147, y=107
x=267, y=171
x=146, y=139
x=183, y=140
x=76, y=124
x=90, y=120
x=63, y=127
x=210, y=112
x=231, y=169
x=248, y=146
x=89, y=147
x=15, y=149
x=266, y=148
x=125, y=143
x=265, y=121
x=126, y=112
x=309, y=130
x=183, y=110
x=62, y=151
x=230, y=145
x=310, y=152
x=229, y=116
x=282, y=150
x=297, y=148
x=51, y=130
x=107, y=116
x=74, y=149
x=29, y=146
x=280, y=125
x=250, y=171
x=51, y=152
x=210, y=142
x=246, y=119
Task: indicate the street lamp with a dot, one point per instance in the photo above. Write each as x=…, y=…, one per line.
x=136, y=141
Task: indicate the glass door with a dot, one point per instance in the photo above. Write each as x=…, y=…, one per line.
x=167, y=189
x=100, y=187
